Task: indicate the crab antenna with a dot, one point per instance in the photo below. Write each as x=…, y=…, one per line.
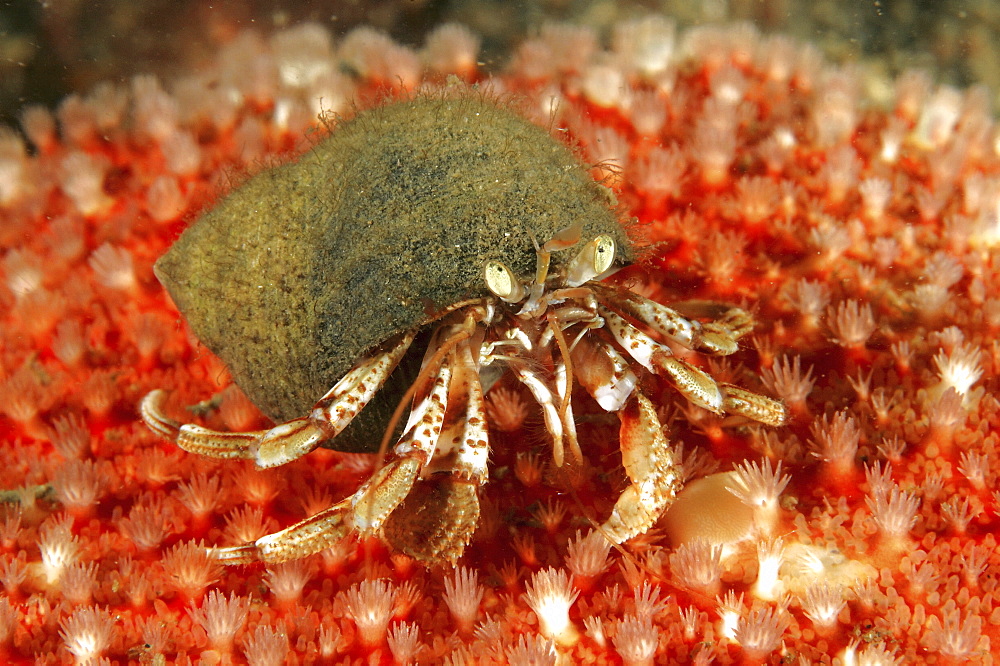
x=562, y=239
x=542, y=257
x=429, y=366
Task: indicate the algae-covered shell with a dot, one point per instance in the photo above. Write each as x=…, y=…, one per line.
x=295, y=275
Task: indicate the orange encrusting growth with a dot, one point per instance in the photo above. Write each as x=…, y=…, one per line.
x=863, y=237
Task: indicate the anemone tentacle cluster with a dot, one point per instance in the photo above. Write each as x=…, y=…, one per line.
x=862, y=234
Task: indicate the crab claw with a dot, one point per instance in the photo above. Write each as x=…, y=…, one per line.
x=436, y=520
x=652, y=468
x=382, y=494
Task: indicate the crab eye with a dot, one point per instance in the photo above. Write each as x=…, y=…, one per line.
x=594, y=259
x=502, y=282
x=604, y=253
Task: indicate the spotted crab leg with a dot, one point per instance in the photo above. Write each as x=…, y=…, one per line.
x=430, y=519
x=714, y=337
x=437, y=519
x=696, y=385
x=290, y=440
x=652, y=468
x=384, y=491
x=371, y=504
x=302, y=539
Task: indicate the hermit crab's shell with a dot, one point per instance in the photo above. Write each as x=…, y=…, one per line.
x=298, y=273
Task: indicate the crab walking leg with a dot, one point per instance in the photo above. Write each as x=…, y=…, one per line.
x=371, y=504
x=651, y=466
x=151, y=411
x=697, y=386
x=754, y=406
x=474, y=441
x=367, y=508
x=383, y=492
x=714, y=337
x=302, y=539
x=437, y=519
x=293, y=439
x=732, y=325
x=659, y=317
x=550, y=412
x=196, y=439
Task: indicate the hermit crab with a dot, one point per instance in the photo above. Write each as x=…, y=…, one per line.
x=408, y=260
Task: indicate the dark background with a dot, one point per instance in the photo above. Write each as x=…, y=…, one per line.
x=49, y=48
